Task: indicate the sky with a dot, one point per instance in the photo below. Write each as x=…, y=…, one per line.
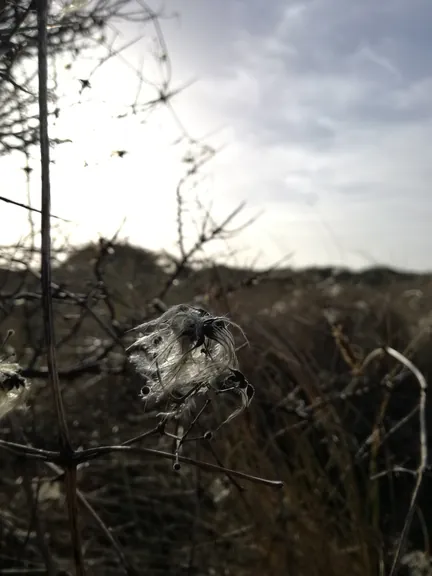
x=322, y=112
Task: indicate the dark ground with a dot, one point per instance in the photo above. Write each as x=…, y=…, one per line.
x=309, y=423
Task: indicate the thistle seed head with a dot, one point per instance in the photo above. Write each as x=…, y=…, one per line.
x=184, y=354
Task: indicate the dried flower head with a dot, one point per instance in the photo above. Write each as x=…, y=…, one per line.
x=184, y=354
x=12, y=387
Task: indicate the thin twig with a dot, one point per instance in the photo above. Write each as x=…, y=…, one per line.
x=29, y=208
x=423, y=446
x=130, y=570
x=32, y=501
x=28, y=451
x=65, y=445
x=45, y=221
x=92, y=453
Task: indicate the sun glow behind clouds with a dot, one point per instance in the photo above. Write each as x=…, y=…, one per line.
x=115, y=165
x=118, y=167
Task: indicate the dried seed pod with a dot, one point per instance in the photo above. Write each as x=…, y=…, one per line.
x=184, y=354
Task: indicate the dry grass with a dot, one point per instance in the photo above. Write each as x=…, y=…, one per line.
x=332, y=516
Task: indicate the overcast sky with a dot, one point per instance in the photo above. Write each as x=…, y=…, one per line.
x=324, y=108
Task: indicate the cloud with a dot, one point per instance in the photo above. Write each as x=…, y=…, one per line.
x=324, y=107
x=329, y=110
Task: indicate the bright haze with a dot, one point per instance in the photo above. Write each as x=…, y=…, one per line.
x=322, y=111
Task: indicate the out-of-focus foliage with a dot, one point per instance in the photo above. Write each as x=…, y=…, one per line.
x=332, y=438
